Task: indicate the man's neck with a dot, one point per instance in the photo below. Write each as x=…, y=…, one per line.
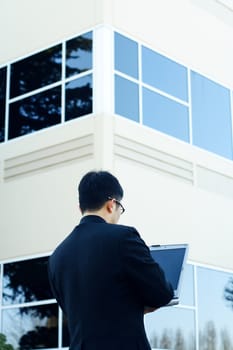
x=100, y=213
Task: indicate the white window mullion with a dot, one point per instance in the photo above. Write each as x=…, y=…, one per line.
x=196, y=306
x=103, y=70
x=59, y=328
x=140, y=83
x=7, y=102
x=63, y=86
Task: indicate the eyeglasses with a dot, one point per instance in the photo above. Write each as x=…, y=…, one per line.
x=118, y=203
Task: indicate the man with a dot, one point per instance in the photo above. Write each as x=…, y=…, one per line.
x=102, y=274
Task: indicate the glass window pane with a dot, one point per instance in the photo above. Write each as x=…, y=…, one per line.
x=36, y=71
x=187, y=288
x=2, y=102
x=214, y=310
x=171, y=328
x=211, y=116
x=65, y=333
x=164, y=74
x=78, y=97
x=126, y=55
x=165, y=115
x=26, y=281
x=35, y=112
x=126, y=98
x=79, y=54
x=31, y=327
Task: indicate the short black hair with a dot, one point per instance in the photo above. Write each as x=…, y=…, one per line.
x=95, y=188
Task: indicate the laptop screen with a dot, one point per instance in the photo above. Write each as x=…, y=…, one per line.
x=171, y=259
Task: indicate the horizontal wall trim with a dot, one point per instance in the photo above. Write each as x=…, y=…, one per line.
x=154, y=158
x=49, y=156
x=214, y=181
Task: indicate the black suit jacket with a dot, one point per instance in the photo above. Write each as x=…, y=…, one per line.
x=103, y=276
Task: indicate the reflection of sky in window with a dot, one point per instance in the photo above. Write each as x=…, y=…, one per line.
x=211, y=303
x=79, y=55
x=211, y=116
x=187, y=286
x=166, y=115
x=9, y=296
x=170, y=320
x=162, y=73
x=126, y=55
x=15, y=325
x=87, y=80
x=126, y=98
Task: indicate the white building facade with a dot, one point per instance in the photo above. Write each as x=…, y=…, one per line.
x=143, y=89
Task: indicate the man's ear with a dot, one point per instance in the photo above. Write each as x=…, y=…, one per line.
x=109, y=206
x=80, y=209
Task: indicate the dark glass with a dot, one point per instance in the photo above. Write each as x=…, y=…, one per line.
x=26, y=281
x=78, y=97
x=126, y=98
x=171, y=328
x=33, y=327
x=35, y=112
x=126, y=55
x=215, y=313
x=164, y=74
x=36, y=71
x=211, y=116
x=2, y=102
x=65, y=333
x=79, y=54
x=165, y=115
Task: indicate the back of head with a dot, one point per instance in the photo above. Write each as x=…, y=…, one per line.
x=95, y=188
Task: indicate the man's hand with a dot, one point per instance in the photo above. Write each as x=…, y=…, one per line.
x=148, y=309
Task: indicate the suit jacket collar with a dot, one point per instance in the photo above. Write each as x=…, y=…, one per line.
x=92, y=218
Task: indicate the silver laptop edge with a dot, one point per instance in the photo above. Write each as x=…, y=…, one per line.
x=185, y=246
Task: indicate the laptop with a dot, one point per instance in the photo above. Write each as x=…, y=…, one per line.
x=172, y=259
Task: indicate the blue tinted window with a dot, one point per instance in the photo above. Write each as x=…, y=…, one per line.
x=215, y=309
x=34, y=327
x=126, y=55
x=26, y=281
x=36, y=71
x=126, y=98
x=211, y=117
x=78, y=97
x=187, y=286
x=171, y=328
x=165, y=115
x=2, y=102
x=79, y=54
x=35, y=112
x=164, y=74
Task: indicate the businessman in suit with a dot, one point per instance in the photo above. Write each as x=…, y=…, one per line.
x=102, y=274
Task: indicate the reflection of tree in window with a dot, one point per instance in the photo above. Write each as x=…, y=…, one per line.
x=225, y=340
x=79, y=54
x=228, y=293
x=26, y=281
x=36, y=71
x=166, y=339
x=179, y=340
x=23, y=282
x=35, y=112
x=45, y=336
x=78, y=97
x=32, y=327
x=208, y=337
x=172, y=339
